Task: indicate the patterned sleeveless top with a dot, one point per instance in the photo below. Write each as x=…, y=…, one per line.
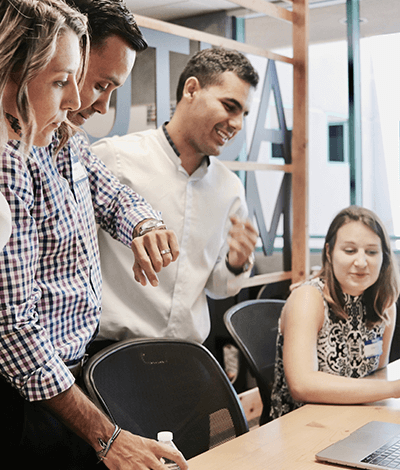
x=340, y=346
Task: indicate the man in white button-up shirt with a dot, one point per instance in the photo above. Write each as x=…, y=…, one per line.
x=175, y=169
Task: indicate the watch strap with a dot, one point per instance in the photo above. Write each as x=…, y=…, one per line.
x=246, y=267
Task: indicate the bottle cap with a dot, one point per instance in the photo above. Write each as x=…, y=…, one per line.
x=163, y=436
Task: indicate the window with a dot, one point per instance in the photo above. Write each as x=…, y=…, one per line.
x=277, y=149
x=337, y=142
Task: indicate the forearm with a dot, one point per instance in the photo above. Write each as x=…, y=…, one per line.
x=81, y=415
x=77, y=412
x=320, y=387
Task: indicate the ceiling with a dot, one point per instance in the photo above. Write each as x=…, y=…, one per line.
x=168, y=10
x=326, y=18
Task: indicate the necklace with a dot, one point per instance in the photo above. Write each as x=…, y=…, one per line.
x=15, y=126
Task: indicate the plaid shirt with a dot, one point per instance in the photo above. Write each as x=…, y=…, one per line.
x=50, y=279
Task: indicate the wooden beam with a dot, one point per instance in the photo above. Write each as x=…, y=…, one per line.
x=269, y=9
x=300, y=248
x=255, y=166
x=269, y=278
x=195, y=35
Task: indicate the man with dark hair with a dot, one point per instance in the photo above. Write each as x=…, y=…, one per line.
x=115, y=38
x=51, y=279
x=110, y=18
x=208, y=65
x=200, y=199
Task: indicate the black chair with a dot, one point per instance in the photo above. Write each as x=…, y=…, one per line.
x=253, y=325
x=152, y=385
x=275, y=290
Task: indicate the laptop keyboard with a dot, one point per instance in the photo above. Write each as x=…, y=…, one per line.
x=386, y=456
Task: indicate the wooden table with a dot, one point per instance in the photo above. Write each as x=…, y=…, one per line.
x=291, y=442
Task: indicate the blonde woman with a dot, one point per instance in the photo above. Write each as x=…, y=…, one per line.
x=43, y=55
x=44, y=47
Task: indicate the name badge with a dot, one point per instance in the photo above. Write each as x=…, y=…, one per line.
x=373, y=347
x=78, y=171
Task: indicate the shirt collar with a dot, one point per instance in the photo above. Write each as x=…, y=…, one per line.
x=352, y=299
x=171, y=143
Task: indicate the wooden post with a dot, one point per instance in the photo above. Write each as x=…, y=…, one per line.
x=300, y=248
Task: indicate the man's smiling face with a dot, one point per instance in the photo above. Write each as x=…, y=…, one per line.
x=217, y=113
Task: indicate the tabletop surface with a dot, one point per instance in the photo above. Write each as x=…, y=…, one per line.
x=291, y=442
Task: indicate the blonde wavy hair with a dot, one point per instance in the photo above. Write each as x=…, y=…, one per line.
x=29, y=30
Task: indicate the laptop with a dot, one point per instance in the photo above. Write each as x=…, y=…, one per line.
x=374, y=445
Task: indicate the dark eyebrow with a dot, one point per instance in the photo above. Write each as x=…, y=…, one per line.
x=237, y=105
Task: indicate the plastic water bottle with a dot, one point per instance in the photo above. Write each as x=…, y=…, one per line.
x=166, y=438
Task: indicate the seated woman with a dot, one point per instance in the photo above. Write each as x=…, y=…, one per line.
x=338, y=327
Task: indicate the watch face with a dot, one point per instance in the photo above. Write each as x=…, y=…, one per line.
x=149, y=225
x=250, y=263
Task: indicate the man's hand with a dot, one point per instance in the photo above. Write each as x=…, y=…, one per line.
x=129, y=451
x=153, y=251
x=242, y=241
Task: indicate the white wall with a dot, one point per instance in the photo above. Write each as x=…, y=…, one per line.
x=380, y=62
x=380, y=108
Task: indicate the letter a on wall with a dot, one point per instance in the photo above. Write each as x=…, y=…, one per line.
x=281, y=137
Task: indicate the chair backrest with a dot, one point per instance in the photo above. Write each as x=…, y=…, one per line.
x=152, y=385
x=253, y=324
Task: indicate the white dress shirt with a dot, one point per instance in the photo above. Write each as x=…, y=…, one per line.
x=197, y=208
x=5, y=221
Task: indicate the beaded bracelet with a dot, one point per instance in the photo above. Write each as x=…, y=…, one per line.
x=101, y=454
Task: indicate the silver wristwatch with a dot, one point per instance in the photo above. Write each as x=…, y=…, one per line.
x=248, y=265
x=149, y=225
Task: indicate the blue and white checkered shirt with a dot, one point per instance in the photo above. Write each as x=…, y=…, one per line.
x=50, y=279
